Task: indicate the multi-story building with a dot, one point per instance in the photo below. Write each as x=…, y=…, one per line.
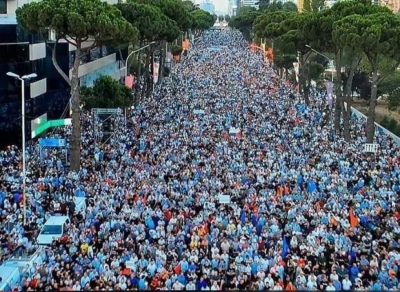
x=207, y=5
x=23, y=53
x=232, y=7
x=252, y=3
x=393, y=5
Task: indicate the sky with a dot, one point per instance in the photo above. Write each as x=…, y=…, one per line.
x=221, y=5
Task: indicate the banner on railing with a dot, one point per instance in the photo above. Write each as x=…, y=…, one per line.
x=296, y=70
x=156, y=67
x=370, y=148
x=129, y=81
x=329, y=92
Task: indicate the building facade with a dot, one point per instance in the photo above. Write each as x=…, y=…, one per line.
x=393, y=5
x=24, y=53
x=251, y=3
x=232, y=7
x=207, y=5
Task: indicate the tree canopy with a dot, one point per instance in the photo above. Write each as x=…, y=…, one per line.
x=348, y=32
x=106, y=93
x=202, y=19
x=77, y=21
x=151, y=22
x=173, y=9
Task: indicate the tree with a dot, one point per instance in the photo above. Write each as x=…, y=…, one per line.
x=190, y=6
x=173, y=9
x=77, y=21
x=263, y=4
x=106, y=93
x=284, y=61
x=290, y=6
x=227, y=18
x=268, y=25
x=202, y=20
x=377, y=36
x=152, y=23
x=244, y=20
x=306, y=6
x=220, y=18
x=390, y=88
x=317, y=5
x=294, y=41
x=319, y=29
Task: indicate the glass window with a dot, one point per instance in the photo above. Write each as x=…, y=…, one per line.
x=38, y=66
x=8, y=33
x=3, y=6
x=14, y=53
x=51, y=229
x=27, y=36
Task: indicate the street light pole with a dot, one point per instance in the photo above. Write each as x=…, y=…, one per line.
x=319, y=53
x=127, y=59
x=22, y=79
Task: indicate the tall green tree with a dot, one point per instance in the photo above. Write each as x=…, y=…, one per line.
x=378, y=37
x=244, y=20
x=190, y=6
x=306, y=6
x=319, y=29
x=77, y=21
x=295, y=41
x=268, y=25
x=317, y=5
x=202, y=20
x=151, y=22
x=174, y=9
x=106, y=93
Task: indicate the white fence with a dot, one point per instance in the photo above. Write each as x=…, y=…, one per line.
x=379, y=127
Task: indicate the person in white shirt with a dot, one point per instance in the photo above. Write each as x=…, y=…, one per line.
x=346, y=283
x=190, y=286
x=215, y=286
x=330, y=287
x=177, y=286
x=76, y=287
x=269, y=281
x=334, y=276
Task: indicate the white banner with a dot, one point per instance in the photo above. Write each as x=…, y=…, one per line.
x=296, y=70
x=156, y=67
x=329, y=92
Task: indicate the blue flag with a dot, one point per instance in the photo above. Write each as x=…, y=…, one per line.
x=286, y=246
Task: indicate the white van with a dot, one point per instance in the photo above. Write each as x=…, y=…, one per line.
x=54, y=228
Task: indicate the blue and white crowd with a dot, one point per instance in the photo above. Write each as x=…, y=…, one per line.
x=226, y=127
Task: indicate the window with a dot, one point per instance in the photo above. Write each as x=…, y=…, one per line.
x=51, y=229
x=3, y=6
x=38, y=66
x=14, y=53
x=8, y=32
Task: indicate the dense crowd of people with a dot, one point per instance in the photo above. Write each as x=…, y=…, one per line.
x=223, y=180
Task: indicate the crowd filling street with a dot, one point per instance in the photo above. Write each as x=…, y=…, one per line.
x=224, y=179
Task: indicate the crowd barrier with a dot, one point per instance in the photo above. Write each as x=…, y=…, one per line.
x=378, y=127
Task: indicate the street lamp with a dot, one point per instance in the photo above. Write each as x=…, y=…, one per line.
x=138, y=50
x=319, y=53
x=22, y=79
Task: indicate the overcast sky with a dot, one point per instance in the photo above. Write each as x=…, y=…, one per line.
x=221, y=5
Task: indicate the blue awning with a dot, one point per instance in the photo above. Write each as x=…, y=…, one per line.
x=8, y=20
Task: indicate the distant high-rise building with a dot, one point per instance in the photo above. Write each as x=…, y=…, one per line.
x=207, y=5
x=393, y=5
x=251, y=3
x=232, y=7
